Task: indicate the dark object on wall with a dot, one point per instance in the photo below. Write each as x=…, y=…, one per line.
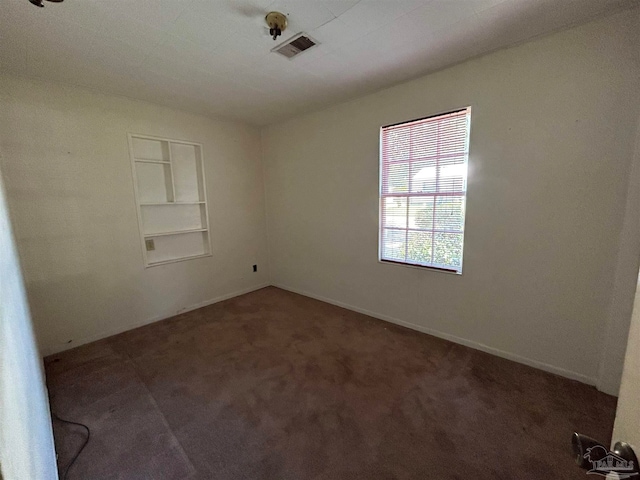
x=38, y=3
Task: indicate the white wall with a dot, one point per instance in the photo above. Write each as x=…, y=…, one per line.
x=627, y=425
x=26, y=439
x=70, y=192
x=552, y=136
x=547, y=272
x=625, y=283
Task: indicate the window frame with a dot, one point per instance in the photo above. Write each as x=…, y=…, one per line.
x=381, y=195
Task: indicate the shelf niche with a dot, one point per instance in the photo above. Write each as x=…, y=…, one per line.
x=171, y=200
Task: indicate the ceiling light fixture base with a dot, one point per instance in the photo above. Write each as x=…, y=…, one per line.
x=277, y=23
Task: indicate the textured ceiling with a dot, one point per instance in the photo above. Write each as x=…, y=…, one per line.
x=213, y=56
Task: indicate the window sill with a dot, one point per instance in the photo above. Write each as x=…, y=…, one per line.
x=419, y=267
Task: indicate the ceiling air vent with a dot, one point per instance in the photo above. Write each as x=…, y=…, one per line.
x=295, y=46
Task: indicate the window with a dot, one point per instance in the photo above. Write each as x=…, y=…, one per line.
x=423, y=187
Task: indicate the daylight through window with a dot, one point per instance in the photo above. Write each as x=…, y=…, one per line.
x=423, y=187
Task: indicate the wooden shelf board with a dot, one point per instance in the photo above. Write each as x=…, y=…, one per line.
x=155, y=204
x=175, y=232
x=177, y=259
x=152, y=160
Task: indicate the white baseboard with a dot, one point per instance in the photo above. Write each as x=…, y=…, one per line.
x=50, y=350
x=452, y=338
x=436, y=333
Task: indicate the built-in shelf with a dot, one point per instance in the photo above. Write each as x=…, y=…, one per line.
x=171, y=199
x=176, y=232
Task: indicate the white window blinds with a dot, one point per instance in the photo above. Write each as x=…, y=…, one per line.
x=423, y=184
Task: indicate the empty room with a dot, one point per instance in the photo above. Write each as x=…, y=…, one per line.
x=319, y=239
